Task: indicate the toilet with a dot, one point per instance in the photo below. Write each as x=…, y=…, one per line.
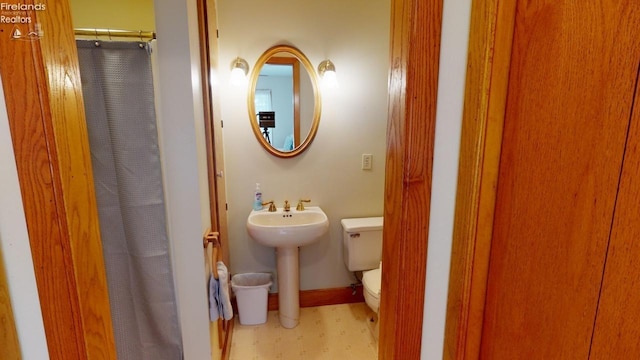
x=362, y=251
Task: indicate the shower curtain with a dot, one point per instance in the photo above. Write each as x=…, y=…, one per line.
x=119, y=103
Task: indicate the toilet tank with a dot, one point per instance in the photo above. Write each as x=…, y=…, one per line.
x=362, y=243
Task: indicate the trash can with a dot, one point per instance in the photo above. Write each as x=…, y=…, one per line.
x=252, y=290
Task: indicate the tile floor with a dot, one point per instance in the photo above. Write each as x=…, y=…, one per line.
x=326, y=332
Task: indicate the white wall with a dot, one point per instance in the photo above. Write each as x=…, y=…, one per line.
x=16, y=251
x=182, y=144
x=453, y=62
x=355, y=36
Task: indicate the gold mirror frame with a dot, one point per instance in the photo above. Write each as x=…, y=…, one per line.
x=317, y=106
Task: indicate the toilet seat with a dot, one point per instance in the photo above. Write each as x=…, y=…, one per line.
x=372, y=281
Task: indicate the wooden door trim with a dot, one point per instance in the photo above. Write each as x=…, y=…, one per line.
x=205, y=75
x=489, y=58
x=207, y=60
x=41, y=79
x=413, y=85
x=319, y=297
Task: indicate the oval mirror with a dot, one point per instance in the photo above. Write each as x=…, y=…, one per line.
x=284, y=101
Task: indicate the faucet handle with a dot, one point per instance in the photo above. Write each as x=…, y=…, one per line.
x=287, y=207
x=272, y=206
x=300, y=206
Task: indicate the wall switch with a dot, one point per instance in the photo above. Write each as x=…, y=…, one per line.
x=367, y=159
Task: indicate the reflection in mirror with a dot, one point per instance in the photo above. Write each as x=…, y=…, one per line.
x=284, y=103
x=286, y=95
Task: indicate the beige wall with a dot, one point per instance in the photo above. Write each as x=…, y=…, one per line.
x=355, y=36
x=113, y=14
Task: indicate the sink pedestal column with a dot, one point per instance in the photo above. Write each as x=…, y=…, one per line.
x=288, y=286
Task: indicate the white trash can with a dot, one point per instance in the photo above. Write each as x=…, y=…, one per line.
x=252, y=290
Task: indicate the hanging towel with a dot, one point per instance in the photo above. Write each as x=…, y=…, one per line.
x=214, y=285
x=224, y=299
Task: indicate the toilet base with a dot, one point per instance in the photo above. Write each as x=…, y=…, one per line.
x=373, y=324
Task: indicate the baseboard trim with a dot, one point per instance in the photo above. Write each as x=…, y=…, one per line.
x=321, y=297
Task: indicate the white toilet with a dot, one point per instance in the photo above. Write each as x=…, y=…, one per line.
x=362, y=251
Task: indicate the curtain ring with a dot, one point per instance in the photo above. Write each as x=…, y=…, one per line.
x=140, y=35
x=109, y=33
x=97, y=43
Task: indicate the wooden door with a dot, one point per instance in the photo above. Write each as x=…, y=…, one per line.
x=616, y=331
x=570, y=93
x=416, y=26
x=207, y=18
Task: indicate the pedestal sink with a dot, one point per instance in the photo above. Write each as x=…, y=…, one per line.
x=286, y=231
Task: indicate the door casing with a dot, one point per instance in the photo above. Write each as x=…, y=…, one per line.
x=489, y=59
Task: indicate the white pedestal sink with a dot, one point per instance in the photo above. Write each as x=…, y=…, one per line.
x=287, y=231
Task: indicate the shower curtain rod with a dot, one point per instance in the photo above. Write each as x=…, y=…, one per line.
x=139, y=34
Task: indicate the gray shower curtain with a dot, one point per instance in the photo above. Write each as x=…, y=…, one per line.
x=119, y=103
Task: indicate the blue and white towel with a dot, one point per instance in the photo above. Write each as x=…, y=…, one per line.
x=214, y=285
x=219, y=299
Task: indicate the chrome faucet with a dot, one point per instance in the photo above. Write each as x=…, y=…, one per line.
x=300, y=206
x=287, y=207
x=272, y=206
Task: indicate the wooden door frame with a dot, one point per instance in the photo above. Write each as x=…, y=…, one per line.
x=489, y=59
x=218, y=218
x=413, y=88
x=41, y=79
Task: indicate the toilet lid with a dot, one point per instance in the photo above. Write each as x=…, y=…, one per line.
x=372, y=281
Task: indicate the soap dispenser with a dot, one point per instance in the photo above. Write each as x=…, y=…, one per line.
x=257, y=198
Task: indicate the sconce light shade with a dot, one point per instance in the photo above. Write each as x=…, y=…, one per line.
x=327, y=72
x=239, y=71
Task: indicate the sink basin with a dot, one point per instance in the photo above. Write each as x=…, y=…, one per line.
x=285, y=229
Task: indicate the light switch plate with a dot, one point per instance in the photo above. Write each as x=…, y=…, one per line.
x=367, y=160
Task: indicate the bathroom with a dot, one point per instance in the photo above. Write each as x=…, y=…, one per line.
x=353, y=123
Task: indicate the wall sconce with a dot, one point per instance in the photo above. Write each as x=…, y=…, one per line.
x=327, y=72
x=239, y=71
